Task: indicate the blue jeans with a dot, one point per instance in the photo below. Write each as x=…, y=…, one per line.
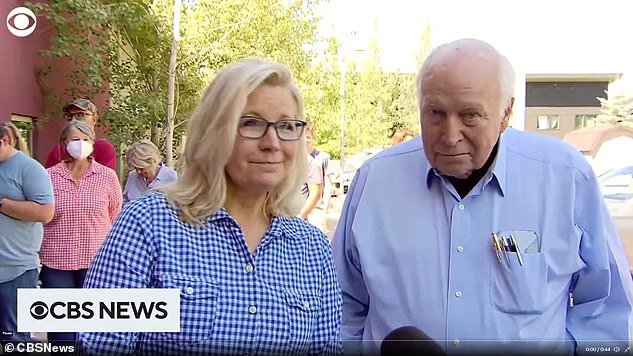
x=57, y=278
x=9, y=305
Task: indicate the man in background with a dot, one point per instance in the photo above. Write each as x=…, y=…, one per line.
x=316, y=189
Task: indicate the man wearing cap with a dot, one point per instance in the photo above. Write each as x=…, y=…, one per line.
x=84, y=110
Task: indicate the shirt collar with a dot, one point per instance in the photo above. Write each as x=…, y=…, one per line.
x=280, y=226
x=61, y=170
x=162, y=172
x=498, y=167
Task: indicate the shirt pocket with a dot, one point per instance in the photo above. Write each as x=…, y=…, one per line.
x=302, y=312
x=516, y=288
x=198, y=303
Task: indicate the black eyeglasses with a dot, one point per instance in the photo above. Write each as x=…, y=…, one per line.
x=256, y=127
x=77, y=116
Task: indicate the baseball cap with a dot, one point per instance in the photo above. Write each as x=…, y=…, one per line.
x=83, y=104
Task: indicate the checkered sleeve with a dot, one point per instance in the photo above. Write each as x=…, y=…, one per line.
x=327, y=336
x=124, y=260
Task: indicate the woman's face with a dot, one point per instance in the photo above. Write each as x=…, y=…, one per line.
x=78, y=145
x=260, y=164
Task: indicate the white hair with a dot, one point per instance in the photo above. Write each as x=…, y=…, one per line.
x=506, y=75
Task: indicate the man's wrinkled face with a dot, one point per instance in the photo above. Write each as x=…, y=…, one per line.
x=461, y=114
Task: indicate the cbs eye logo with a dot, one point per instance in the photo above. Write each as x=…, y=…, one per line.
x=21, y=21
x=39, y=310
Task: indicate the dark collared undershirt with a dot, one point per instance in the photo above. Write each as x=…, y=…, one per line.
x=465, y=185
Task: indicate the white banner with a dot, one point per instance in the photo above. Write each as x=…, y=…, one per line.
x=70, y=309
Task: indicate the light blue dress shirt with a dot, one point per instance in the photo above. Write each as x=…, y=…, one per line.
x=135, y=185
x=410, y=251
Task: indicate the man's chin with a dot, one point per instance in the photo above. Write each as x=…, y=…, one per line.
x=455, y=173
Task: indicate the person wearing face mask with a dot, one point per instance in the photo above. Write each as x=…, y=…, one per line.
x=86, y=111
x=87, y=199
x=26, y=201
x=147, y=170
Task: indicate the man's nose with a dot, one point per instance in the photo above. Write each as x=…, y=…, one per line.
x=452, y=132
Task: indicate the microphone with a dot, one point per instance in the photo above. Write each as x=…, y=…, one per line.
x=409, y=340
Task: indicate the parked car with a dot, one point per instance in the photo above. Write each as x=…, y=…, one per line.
x=351, y=164
x=617, y=189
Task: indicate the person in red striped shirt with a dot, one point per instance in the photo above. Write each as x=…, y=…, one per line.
x=88, y=197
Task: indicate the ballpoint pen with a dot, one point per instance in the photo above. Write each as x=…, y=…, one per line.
x=505, y=250
x=496, y=246
x=516, y=248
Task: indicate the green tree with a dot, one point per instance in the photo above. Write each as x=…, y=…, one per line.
x=121, y=47
x=616, y=109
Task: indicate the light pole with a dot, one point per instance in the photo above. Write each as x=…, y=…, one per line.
x=341, y=64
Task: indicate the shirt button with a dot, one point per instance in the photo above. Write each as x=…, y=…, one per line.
x=460, y=249
x=252, y=309
x=458, y=294
x=306, y=305
x=460, y=207
x=455, y=342
x=189, y=290
x=249, y=268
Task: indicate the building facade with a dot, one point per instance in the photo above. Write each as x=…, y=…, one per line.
x=23, y=99
x=556, y=104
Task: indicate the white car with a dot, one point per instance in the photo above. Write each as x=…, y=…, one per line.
x=617, y=189
x=351, y=165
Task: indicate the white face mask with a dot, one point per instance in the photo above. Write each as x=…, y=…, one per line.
x=79, y=149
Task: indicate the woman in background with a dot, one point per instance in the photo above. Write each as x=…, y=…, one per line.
x=87, y=199
x=147, y=170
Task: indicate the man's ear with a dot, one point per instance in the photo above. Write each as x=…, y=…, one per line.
x=507, y=114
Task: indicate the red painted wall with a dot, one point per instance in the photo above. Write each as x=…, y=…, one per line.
x=20, y=90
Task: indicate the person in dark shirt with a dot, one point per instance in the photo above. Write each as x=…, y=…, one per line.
x=84, y=110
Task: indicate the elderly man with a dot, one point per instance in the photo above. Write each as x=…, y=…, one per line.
x=486, y=238
x=84, y=110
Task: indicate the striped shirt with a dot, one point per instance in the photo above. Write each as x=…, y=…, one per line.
x=282, y=299
x=84, y=212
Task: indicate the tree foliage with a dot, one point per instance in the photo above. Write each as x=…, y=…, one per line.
x=121, y=47
x=616, y=109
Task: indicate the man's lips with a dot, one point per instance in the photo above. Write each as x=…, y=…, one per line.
x=264, y=162
x=452, y=155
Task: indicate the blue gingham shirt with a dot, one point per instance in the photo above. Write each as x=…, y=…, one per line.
x=282, y=299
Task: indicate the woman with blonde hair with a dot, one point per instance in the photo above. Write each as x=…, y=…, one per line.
x=147, y=170
x=15, y=139
x=26, y=201
x=87, y=199
x=253, y=277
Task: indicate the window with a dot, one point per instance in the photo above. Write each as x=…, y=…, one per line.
x=25, y=126
x=586, y=121
x=547, y=122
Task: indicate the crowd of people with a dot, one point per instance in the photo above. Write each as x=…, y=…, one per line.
x=480, y=237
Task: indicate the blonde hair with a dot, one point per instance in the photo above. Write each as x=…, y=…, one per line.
x=202, y=186
x=15, y=139
x=143, y=154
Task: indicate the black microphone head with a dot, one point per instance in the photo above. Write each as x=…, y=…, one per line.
x=409, y=340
